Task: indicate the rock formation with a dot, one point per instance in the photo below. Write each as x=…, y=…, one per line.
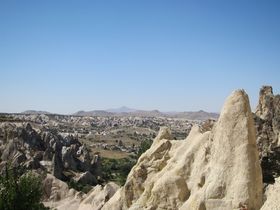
x=214, y=170
x=58, y=195
x=48, y=151
x=267, y=121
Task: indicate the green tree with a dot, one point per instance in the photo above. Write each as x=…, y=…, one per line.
x=20, y=191
x=116, y=169
x=145, y=145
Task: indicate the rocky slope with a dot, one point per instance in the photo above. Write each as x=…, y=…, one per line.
x=217, y=169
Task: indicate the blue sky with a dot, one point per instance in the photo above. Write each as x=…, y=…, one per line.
x=65, y=56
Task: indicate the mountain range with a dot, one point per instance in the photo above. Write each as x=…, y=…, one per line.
x=125, y=111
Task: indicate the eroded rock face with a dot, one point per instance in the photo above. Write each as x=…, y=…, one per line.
x=213, y=170
x=267, y=122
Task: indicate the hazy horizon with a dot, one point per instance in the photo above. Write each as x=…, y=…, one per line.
x=67, y=56
x=109, y=110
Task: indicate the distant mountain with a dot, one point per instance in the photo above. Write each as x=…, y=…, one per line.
x=35, y=112
x=94, y=113
x=152, y=113
x=122, y=109
x=198, y=115
x=125, y=111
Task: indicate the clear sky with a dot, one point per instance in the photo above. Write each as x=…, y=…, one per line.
x=171, y=55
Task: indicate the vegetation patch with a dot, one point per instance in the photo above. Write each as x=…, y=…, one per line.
x=117, y=170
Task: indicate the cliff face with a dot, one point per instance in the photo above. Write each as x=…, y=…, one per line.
x=217, y=169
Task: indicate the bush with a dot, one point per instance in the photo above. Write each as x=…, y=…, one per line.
x=145, y=145
x=20, y=192
x=116, y=169
x=79, y=187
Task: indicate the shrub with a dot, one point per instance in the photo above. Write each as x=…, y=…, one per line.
x=116, y=169
x=20, y=192
x=145, y=145
x=79, y=187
